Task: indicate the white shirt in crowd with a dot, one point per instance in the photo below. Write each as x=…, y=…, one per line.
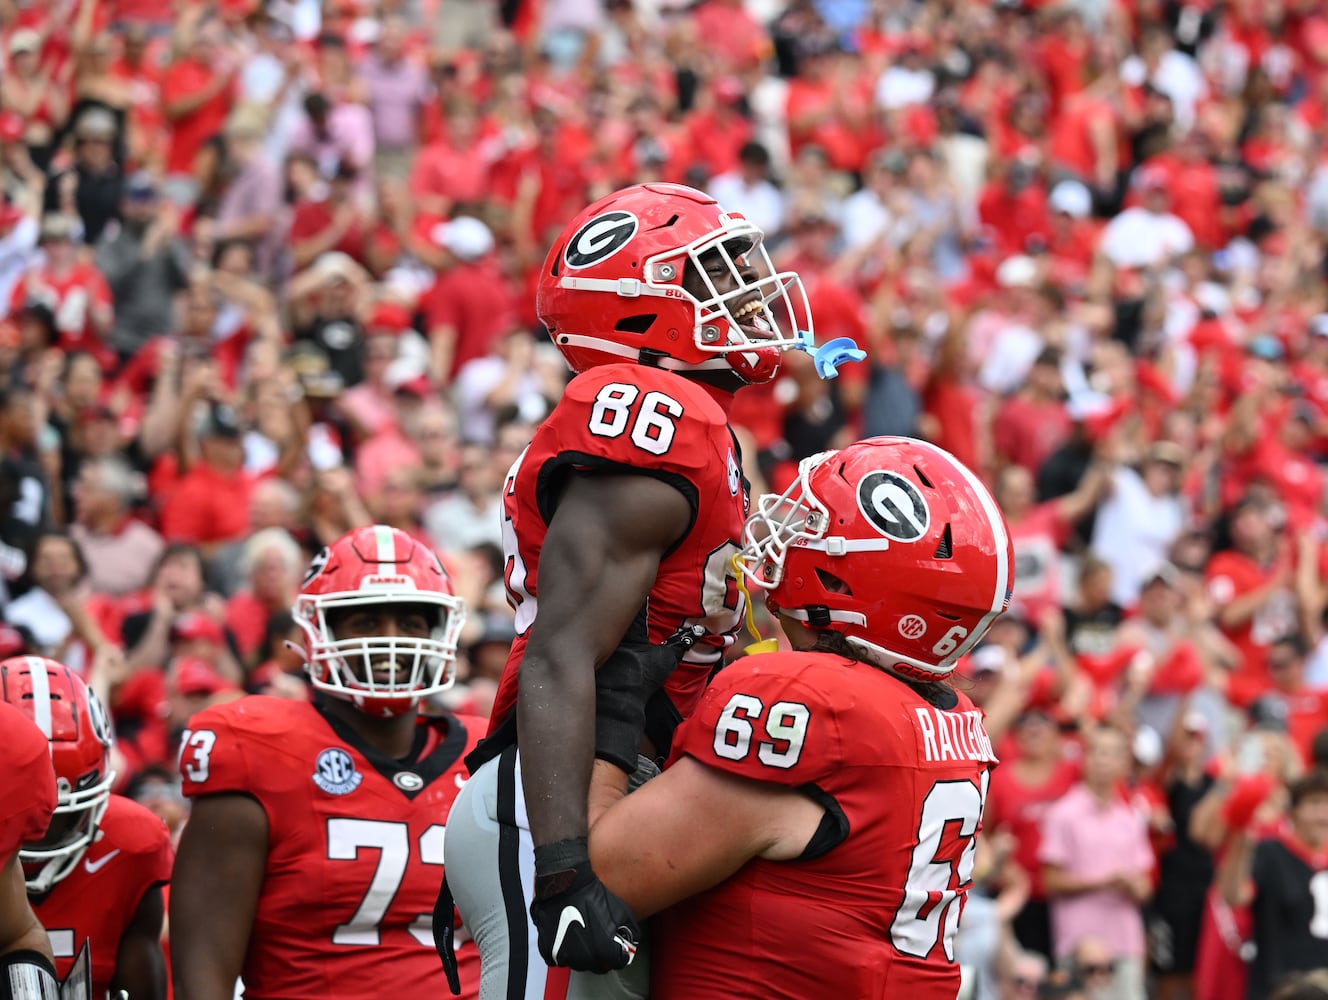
x=455, y=524
x=866, y=219
x=1138, y=238
x=899, y=87
x=760, y=203
x=1133, y=532
x=470, y=390
x=18, y=249
x=38, y=612
x=1178, y=76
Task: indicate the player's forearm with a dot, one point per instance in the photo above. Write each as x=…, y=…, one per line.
x=142, y=975
x=199, y=981
x=556, y=720
x=608, y=785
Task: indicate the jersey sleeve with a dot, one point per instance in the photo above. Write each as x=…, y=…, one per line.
x=142, y=836
x=155, y=847
x=214, y=755
x=759, y=719
x=27, y=782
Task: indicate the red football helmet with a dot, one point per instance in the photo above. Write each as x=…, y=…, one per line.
x=381, y=675
x=64, y=708
x=612, y=287
x=892, y=542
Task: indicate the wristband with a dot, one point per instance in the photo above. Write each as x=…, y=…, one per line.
x=27, y=975
x=562, y=855
x=560, y=866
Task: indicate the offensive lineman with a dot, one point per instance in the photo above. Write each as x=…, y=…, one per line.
x=310, y=863
x=849, y=777
x=620, y=523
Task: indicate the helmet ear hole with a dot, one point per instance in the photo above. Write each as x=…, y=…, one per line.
x=945, y=548
x=635, y=324
x=833, y=583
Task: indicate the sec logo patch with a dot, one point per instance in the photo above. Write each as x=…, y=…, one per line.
x=912, y=627
x=334, y=772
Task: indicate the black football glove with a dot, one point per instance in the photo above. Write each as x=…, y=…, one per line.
x=580, y=924
x=631, y=677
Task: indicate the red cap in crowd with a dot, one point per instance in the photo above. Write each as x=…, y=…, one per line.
x=193, y=676
x=389, y=317
x=194, y=625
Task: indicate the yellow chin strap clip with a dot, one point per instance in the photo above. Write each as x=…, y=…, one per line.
x=759, y=645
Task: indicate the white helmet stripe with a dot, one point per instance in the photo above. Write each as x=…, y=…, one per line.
x=633, y=353
x=386, y=550
x=41, y=694
x=997, y=523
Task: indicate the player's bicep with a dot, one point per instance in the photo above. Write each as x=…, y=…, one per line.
x=662, y=844
x=215, y=886
x=599, y=560
x=140, y=966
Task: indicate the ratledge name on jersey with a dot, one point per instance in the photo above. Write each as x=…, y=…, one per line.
x=953, y=735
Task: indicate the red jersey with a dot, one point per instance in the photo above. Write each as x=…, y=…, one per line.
x=27, y=782
x=1038, y=537
x=355, y=845
x=72, y=298
x=86, y=913
x=873, y=916
x=1231, y=575
x=629, y=417
x=473, y=298
x=190, y=131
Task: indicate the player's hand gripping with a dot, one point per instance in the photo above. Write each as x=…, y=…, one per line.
x=580, y=924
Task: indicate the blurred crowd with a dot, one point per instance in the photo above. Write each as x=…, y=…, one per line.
x=266, y=272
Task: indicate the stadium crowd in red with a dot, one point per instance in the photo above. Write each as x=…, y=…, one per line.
x=267, y=268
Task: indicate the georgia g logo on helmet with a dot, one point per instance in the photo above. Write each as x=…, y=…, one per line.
x=316, y=566
x=894, y=506
x=600, y=238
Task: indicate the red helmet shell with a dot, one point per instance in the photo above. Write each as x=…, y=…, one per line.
x=78, y=728
x=611, y=288
x=892, y=542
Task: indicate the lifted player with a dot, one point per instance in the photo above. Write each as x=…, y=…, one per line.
x=849, y=777
x=311, y=861
x=621, y=521
x=95, y=877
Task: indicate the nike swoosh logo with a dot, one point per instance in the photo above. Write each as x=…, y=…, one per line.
x=95, y=866
x=571, y=915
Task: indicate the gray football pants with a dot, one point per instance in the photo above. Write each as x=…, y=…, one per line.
x=490, y=863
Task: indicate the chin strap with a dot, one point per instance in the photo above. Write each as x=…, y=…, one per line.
x=829, y=356
x=758, y=645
